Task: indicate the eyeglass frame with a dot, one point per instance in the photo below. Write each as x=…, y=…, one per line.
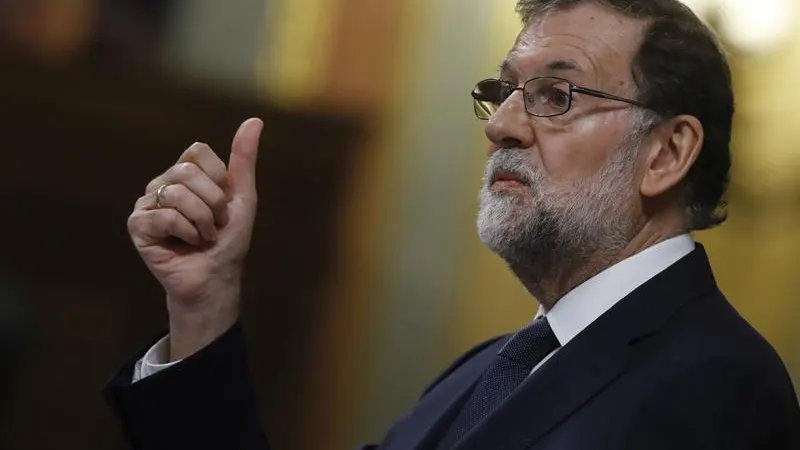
x=572, y=88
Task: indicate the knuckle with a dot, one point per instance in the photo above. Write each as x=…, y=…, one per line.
x=170, y=215
x=219, y=202
x=180, y=195
x=138, y=223
x=142, y=202
x=171, y=220
x=196, y=150
x=185, y=171
x=171, y=194
x=133, y=222
x=152, y=185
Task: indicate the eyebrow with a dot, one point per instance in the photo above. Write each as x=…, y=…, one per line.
x=560, y=65
x=566, y=65
x=505, y=66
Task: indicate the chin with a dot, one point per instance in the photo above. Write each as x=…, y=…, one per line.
x=509, y=191
x=507, y=208
x=501, y=229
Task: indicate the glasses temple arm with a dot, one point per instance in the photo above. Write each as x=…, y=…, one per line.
x=600, y=94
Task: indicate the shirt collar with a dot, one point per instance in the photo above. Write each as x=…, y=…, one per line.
x=584, y=304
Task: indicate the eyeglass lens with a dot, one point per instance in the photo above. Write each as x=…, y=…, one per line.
x=543, y=96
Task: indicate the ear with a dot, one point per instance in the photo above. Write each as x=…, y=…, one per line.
x=677, y=146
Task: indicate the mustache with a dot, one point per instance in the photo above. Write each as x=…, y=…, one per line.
x=511, y=161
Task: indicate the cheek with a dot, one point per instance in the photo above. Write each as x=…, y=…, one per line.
x=574, y=151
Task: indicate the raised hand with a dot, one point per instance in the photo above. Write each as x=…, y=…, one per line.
x=192, y=228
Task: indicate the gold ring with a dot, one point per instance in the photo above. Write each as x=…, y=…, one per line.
x=157, y=198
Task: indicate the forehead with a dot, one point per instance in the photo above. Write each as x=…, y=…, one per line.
x=590, y=40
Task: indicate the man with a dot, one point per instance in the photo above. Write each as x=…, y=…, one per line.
x=609, y=129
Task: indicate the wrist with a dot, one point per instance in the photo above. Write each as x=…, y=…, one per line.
x=192, y=329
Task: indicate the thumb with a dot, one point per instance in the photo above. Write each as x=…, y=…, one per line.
x=242, y=162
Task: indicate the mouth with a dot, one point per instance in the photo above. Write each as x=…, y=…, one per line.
x=507, y=180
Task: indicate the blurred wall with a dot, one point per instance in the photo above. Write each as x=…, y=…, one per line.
x=88, y=116
x=217, y=46
x=399, y=284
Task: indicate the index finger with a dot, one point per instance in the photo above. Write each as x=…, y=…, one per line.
x=204, y=157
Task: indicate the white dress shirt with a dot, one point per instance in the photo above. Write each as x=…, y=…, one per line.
x=590, y=300
x=570, y=315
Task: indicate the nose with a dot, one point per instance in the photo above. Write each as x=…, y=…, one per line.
x=510, y=126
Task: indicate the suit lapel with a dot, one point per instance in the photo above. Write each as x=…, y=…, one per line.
x=434, y=413
x=592, y=360
x=568, y=380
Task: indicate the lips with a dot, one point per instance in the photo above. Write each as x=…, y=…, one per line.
x=506, y=178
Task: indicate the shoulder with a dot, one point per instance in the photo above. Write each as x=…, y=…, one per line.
x=710, y=374
x=708, y=355
x=464, y=358
x=712, y=335
x=731, y=400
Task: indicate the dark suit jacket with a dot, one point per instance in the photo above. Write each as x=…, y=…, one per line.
x=671, y=366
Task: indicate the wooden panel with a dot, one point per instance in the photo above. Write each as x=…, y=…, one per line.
x=362, y=56
x=78, y=148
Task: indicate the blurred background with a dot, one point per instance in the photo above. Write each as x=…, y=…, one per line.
x=366, y=277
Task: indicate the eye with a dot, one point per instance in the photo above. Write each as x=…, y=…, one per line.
x=555, y=95
x=548, y=96
x=505, y=91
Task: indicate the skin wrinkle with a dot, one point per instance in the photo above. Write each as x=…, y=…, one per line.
x=546, y=40
x=581, y=209
x=568, y=225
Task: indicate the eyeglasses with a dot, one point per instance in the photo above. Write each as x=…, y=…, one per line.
x=544, y=96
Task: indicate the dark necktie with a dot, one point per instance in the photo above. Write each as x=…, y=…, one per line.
x=512, y=365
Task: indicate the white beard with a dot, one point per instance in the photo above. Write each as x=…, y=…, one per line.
x=539, y=225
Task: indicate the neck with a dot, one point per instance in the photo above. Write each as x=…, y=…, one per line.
x=551, y=280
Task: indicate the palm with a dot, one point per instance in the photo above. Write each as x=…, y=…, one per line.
x=185, y=270
x=191, y=273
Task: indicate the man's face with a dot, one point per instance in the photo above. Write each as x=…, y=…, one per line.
x=564, y=186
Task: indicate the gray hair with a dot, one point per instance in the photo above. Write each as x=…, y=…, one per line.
x=680, y=68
